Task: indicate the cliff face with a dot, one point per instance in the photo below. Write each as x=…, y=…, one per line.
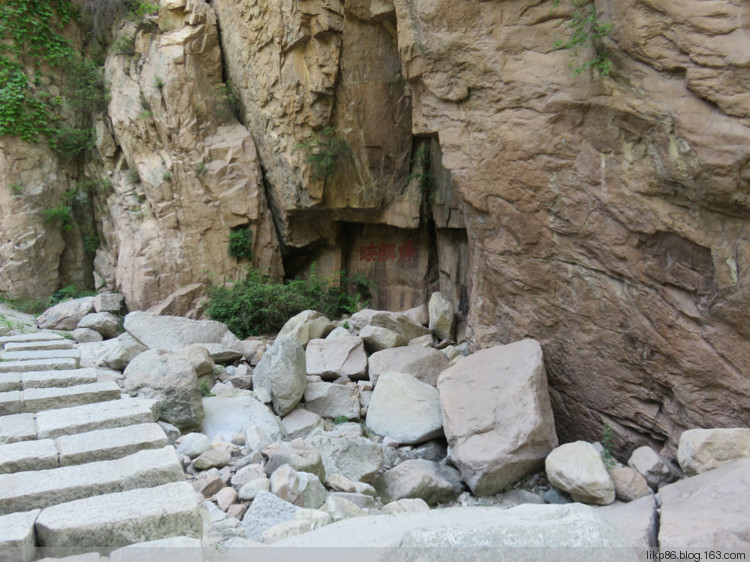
x=438, y=144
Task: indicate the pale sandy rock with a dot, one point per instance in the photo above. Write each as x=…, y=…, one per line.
x=229, y=415
x=700, y=450
x=707, y=510
x=86, y=335
x=193, y=445
x=215, y=458
x=301, y=422
x=497, y=415
x=198, y=356
x=405, y=409
x=418, y=314
x=169, y=379
x=361, y=319
x=399, y=323
x=250, y=490
x=266, y=511
x=285, y=483
x=363, y=501
x=339, y=332
x=406, y=505
x=65, y=315
x=225, y=498
x=256, y=438
x=108, y=302
x=577, y=468
x=174, y=333
x=422, y=341
x=300, y=455
x=337, y=357
x=425, y=364
x=316, y=517
x=421, y=479
x=637, y=520
x=247, y=474
x=629, y=484
x=340, y=508
x=120, y=352
x=339, y=483
x=357, y=458
x=442, y=320
x=305, y=326
x=281, y=372
x=330, y=400
x=106, y=323
x=647, y=462
x=378, y=339
x=285, y=530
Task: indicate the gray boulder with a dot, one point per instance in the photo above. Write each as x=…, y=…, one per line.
x=399, y=323
x=330, y=400
x=299, y=455
x=700, y=450
x=169, y=379
x=423, y=363
x=65, y=315
x=106, y=323
x=377, y=338
x=266, y=511
x=357, y=458
x=301, y=423
x=577, y=468
x=420, y=479
x=404, y=409
x=442, y=319
x=305, y=326
x=337, y=357
x=497, y=415
x=282, y=374
x=229, y=415
x=653, y=468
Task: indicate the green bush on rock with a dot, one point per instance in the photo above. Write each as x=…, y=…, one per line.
x=258, y=305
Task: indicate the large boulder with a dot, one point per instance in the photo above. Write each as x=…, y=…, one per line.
x=700, y=450
x=578, y=469
x=707, y=510
x=120, y=351
x=331, y=400
x=442, y=319
x=424, y=363
x=65, y=315
x=399, y=323
x=305, y=326
x=637, y=520
x=337, y=357
x=174, y=332
x=425, y=480
x=281, y=372
x=405, y=409
x=171, y=380
x=497, y=415
x=573, y=525
x=106, y=323
x=357, y=458
x=233, y=414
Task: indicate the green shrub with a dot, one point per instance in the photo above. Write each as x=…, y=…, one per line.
x=241, y=244
x=586, y=31
x=61, y=214
x=68, y=293
x=324, y=150
x=257, y=305
x=70, y=141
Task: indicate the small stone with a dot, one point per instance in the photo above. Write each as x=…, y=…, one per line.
x=629, y=484
x=406, y=505
x=217, y=457
x=86, y=335
x=339, y=508
x=226, y=497
x=251, y=490
x=300, y=423
x=207, y=487
x=577, y=468
x=284, y=530
x=247, y=474
x=316, y=517
x=339, y=483
x=285, y=483
x=237, y=510
x=193, y=445
x=651, y=466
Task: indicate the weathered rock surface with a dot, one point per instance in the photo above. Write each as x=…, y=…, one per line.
x=169, y=379
x=637, y=520
x=299, y=455
x=424, y=363
x=629, y=483
x=442, y=320
x=708, y=509
x=653, y=468
x=65, y=315
x=305, y=326
x=174, y=333
x=419, y=479
x=405, y=409
x=281, y=372
x=229, y=415
x=106, y=323
x=700, y=450
x=337, y=357
x=496, y=415
x=357, y=458
x=330, y=400
x=577, y=469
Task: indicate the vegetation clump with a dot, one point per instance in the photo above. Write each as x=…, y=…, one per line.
x=586, y=31
x=257, y=305
x=241, y=244
x=324, y=150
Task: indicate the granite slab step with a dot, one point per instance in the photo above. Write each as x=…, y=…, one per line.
x=123, y=518
x=39, y=345
x=22, y=491
x=105, y=444
x=11, y=403
x=102, y=415
x=10, y=381
x=38, y=365
x=38, y=399
x=40, y=354
x=35, y=337
x=17, y=427
x=17, y=540
x=28, y=455
x=69, y=377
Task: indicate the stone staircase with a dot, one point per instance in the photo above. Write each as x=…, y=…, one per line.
x=81, y=466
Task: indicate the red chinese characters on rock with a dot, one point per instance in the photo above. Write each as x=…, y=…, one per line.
x=407, y=254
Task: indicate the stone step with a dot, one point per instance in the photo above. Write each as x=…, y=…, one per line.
x=46, y=379
x=38, y=365
x=35, y=337
x=123, y=518
x=80, y=448
x=106, y=444
x=102, y=415
x=39, y=345
x=23, y=491
x=38, y=399
x=17, y=540
x=17, y=427
x=40, y=354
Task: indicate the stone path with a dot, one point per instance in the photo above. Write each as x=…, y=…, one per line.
x=81, y=465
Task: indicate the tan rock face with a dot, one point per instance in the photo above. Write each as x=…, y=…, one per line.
x=606, y=217
x=185, y=171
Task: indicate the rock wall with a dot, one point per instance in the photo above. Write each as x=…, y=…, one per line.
x=606, y=217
